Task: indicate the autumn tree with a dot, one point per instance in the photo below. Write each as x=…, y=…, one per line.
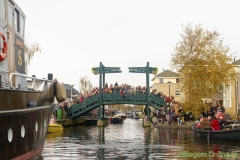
x=85, y=85
x=29, y=50
x=204, y=65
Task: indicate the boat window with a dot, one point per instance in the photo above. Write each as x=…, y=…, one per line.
x=10, y=15
x=21, y=25
x=2, y=9
x=16, y=20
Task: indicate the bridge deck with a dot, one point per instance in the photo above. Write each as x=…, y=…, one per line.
x=114, y=98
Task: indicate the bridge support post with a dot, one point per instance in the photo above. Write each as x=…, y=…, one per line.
x=100, y=92
x=147, y=81
x=147, y=70
x=146, y=123
x=103, y=106
x=100, y=123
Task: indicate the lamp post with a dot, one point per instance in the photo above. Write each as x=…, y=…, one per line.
x=169, y=85
x=71, y=91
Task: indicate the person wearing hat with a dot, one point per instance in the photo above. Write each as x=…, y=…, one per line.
x=222, y=121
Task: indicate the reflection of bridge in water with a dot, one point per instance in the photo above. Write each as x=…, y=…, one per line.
x=102, y=99
x=114, y=98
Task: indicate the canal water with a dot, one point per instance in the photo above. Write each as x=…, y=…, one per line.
x=131, y=141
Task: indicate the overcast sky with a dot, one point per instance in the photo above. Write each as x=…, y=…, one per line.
x=76, y=35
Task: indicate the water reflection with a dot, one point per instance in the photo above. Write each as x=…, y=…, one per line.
x=54, y=134
x=147, y=141
x=129, y=140
x=101, y=140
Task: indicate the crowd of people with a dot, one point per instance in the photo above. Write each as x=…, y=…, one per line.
x=121, y=89
x=169, y=114
x=173, y=112
x=216, y=118
x=64, y=106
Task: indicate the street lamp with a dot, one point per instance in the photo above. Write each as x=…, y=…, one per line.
x=71, y=91
x=169, y=84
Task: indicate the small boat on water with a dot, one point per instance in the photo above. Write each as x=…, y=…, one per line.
x=55, y=128
x=116, y=120
x=230, y=132
x=122, y=115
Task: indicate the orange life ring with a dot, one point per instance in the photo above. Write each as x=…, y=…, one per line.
x=3, y=53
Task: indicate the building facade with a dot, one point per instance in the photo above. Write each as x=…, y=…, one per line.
x=167, y=82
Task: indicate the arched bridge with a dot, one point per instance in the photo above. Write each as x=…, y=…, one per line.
x=115, y=98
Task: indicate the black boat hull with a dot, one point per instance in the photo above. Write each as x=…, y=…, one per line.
x=23, y=132
x=231, y=134
x=116, y=120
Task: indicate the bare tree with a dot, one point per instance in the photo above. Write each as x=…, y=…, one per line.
x=29, y=51
x=85, y=85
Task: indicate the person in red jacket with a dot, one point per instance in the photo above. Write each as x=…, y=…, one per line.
x=215, y=125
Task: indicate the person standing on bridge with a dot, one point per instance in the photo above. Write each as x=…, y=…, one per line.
x=124, y=91
x=145, y=110
x=106, y=86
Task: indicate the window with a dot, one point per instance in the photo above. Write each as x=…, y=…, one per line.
x=177, y=92
x=238, y=70
x=16, y=20
x=10, y=15
x=2, y=9
x=21, y=29
x=224, y=95
x=177, y=80
x=160, y=80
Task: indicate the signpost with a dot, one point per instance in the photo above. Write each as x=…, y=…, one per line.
x=102, y=70
x=146, y=70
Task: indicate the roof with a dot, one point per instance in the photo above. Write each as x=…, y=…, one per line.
x=167, y=73
x=68, y=90
x=237, y=62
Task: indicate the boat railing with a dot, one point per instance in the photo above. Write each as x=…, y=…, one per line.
x=2, y=70
x=24, y=82
x=3, y=84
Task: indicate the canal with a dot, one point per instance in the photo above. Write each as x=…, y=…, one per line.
x=131, y=141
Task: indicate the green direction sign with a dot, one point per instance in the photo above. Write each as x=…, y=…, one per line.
x=96, y=70
x=137, y=69
x=152, y=70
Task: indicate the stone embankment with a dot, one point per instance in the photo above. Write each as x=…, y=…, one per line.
x=185, y=125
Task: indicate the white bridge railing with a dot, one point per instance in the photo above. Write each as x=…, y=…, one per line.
x=24, y=82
